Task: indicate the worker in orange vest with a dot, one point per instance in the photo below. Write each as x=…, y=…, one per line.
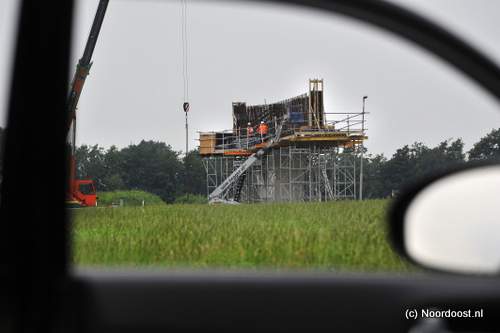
x=263, y=129
x=249, y=132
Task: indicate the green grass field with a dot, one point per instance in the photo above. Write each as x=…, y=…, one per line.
x=344, y=236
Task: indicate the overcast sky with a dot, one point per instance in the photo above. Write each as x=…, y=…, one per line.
x=252, y=53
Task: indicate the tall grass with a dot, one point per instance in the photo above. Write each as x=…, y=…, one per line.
x=333, y=236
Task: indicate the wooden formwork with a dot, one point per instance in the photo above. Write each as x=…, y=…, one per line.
x=207, y=143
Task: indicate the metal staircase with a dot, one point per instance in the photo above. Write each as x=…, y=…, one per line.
x=239, y=187
x=328, y=188
x=222, y=193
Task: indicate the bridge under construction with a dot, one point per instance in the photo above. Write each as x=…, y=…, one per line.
x=303, y=153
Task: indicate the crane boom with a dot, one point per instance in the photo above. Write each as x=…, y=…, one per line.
x=81, y=193
x=85, y=62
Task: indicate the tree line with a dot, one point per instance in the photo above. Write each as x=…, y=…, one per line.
x=148, y=166
x=157, y=168
x=383, y=176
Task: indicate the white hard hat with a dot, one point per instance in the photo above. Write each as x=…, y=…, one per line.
x=262, y=122
x=249, y=123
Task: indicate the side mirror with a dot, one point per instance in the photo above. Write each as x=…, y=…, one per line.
x=451, y=222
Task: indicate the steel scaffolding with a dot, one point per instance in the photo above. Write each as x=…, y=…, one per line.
x=291, y=173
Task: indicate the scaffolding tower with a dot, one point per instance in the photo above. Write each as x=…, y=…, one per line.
x=312, y=157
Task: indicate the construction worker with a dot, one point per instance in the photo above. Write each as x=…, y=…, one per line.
x=263, y=129
x=249, y=132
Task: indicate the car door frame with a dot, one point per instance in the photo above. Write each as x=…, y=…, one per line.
x=44, y=293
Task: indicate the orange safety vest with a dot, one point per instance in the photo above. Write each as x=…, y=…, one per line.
x=263, y=128
x=249, y=130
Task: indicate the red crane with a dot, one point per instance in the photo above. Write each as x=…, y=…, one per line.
x=81, y=192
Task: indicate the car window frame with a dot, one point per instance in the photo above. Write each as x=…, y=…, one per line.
x=35, y=246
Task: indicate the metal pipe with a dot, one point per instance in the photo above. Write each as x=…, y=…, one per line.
x=187, y=145
x=362, y=150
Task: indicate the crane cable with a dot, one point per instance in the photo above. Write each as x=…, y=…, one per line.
x=185, y=73
x=184, y=38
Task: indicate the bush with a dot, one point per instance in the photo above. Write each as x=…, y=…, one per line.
x=130, y=198
x=191, y=199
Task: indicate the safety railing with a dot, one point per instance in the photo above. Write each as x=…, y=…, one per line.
x=334, y=122
x=242, y=139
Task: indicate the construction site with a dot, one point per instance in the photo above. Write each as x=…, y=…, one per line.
x=288, y=151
